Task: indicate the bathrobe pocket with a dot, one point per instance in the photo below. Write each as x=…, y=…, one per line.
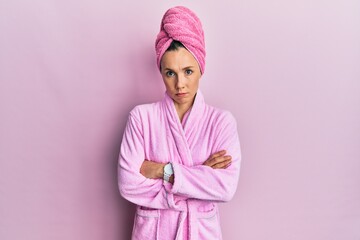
x=209, y=225
x=145, y=224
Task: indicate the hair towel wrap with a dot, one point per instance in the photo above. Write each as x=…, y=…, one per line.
x=181, y=24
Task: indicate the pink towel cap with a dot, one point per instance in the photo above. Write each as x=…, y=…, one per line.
x=181, y=24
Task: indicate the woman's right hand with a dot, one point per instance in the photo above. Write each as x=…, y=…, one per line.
x=218, y=160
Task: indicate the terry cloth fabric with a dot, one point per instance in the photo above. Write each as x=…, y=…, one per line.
x=188, y=208
x=181, y=24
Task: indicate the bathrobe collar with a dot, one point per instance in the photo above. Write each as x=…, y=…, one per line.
x=184, y=135
x=193, y=115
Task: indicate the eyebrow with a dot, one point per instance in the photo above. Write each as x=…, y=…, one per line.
x=181, y=69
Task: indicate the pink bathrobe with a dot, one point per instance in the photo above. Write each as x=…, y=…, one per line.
x=188, y=208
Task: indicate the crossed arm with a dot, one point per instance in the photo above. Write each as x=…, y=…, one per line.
x=140, y=181
x=154, y=170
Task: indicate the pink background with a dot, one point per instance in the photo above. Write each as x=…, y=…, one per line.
x=289, y=71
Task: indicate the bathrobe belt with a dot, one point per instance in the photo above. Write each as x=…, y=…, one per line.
x=190, y=216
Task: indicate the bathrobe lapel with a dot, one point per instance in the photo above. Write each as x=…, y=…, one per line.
x=184, y=136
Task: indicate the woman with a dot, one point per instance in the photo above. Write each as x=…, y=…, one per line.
x=179, y=157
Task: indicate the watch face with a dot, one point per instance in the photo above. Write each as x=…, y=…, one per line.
x=168, y=169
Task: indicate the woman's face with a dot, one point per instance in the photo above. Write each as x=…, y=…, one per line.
x=181, y=74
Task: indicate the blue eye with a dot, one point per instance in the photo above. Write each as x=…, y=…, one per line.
x=170, y=73
x=188, y=72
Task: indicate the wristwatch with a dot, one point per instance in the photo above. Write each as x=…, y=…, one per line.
x=168, y=171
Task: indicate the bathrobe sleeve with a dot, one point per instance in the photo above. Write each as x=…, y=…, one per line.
x=132, y=184
x=205, y=183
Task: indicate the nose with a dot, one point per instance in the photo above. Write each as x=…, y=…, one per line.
x=180, y=83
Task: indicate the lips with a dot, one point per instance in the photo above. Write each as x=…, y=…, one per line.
x=181, y=94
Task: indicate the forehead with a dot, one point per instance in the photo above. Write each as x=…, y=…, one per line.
x=178, y=59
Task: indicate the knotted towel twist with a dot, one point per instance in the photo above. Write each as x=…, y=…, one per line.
x=181, y=24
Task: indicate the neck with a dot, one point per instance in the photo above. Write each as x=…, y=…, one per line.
x=182, y=109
